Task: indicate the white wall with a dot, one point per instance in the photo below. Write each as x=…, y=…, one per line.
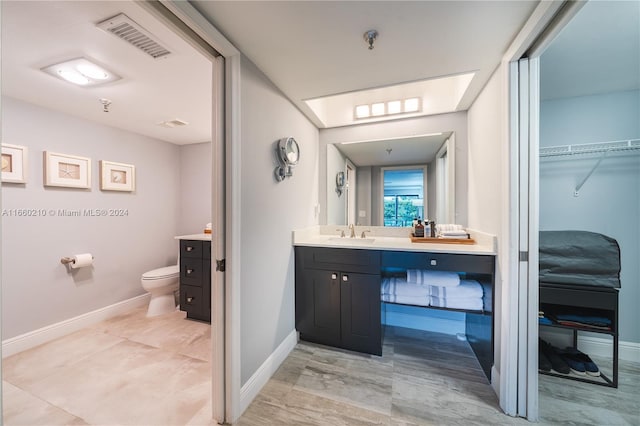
x=609, y=202
x=487, y=160
x=270, y=210
x=336, y=203
x=195, y=188
x=37, y=289
x=456, y=122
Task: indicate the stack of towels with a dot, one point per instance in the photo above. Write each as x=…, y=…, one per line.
x=451, y=231
x=433, y=288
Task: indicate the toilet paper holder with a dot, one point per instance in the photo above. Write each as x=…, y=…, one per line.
x=67, y=260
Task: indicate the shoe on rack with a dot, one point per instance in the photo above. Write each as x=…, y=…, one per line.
x=575, y=365
x=543, y=362
x=590, y=367
x=557, y=363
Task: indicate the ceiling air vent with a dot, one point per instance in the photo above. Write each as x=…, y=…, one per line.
x=125, y=28
x=176, y=122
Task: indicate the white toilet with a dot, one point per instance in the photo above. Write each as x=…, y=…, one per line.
x=161, y=283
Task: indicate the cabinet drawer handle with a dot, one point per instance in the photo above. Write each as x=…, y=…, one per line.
x=345, y=278
x=189, y=299
x=189, y=248
x=189, y=271
x=433, y=262
x=334, y=276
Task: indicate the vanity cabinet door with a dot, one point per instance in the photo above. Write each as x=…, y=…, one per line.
x=318, y=306
x=360, y=312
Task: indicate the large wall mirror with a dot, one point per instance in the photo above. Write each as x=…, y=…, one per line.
x=388, y=182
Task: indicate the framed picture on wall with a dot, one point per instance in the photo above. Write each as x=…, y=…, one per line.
x=14, y=163
x=67, y=171
x=117, y=176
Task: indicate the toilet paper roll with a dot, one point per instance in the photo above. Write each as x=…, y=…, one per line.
x=82, y=260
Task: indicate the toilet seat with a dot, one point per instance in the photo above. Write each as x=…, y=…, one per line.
x=162, y=273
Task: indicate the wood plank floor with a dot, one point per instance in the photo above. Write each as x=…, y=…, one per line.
x=132, y=370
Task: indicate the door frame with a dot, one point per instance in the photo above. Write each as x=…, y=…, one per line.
x=518, y=381
x=226, y=185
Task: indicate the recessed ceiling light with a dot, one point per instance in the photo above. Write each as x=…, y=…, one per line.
x=362, y=111
x=73, y=76
x=92, y=71
x=82, y=72
x=394, y=107
x=412, y=105
x=377, y=109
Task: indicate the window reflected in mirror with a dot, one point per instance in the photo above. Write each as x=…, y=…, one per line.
x=403, y=199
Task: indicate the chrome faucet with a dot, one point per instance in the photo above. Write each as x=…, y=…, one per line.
x=352, y=228
x=341, y=232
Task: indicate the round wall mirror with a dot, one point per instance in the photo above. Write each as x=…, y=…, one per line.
x=288, y=151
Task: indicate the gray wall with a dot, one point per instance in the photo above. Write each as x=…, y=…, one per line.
x=363, y=194
x=488, y=185
x=195, y=188
x=37, y=289
x=456, y=122
x=269, y=212
x=609, y=202
x=336, y=203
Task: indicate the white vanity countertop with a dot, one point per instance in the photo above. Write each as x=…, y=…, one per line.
x=319, y=236
x=202, y=237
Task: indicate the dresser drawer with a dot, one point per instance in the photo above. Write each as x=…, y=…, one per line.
x=191, y=299
x=580, y=296
x=191, y=248
x=479, y=264
x=191, y=271
x=339, y=259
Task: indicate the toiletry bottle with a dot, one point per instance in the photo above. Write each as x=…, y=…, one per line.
x=432, y=224
x=419, y=232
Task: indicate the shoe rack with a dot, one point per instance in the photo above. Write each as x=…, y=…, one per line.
x=568, y=297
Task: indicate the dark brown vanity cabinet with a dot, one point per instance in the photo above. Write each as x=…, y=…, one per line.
x=338, y=298
x=195, y=279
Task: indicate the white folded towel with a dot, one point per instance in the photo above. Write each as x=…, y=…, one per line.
x=454, y=233
x=405, y=300
x=455, y=236
x=467, y=288
x=442, y=227
x=428, y=277
x=473, y=304
x=399, y=287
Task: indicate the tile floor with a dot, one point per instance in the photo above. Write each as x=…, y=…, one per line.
x=132, y=370
x=129, y=370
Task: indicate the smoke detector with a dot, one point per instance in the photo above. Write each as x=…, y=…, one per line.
x=128, y=30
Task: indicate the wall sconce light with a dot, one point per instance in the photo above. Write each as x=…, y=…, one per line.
x=339, y=183
x=288, y=154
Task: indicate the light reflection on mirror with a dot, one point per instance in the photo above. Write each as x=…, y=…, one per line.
x=365, y=163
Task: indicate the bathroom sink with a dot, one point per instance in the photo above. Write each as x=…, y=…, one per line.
x=351, y=241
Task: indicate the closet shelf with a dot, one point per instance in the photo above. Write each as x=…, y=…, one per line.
x=590, y=148
x=602, y=148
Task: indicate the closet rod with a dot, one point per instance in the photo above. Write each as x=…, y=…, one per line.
x=590, y=148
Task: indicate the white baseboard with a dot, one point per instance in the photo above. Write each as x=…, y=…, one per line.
x=591, y=345
x=256, y=382
x=42, y=335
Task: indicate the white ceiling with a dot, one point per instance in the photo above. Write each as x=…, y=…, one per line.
x=151, y=91
x=597, y=52
x=308, y=49
x=311, y=49
x=420, y=149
